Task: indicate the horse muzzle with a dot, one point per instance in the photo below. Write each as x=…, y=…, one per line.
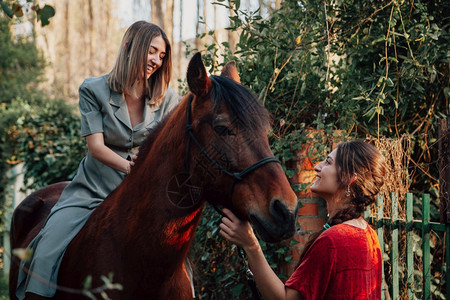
x=279, y=226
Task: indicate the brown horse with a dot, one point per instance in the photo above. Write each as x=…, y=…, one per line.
x=213, y=147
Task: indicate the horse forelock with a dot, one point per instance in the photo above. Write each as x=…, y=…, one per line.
x=241, y=102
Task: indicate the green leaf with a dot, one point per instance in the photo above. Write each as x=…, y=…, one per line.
x=6, y=9
x=237, y=3
x=389, y=82
x=87, y=284
x=45, y=14
x=237, y=290
x=293, y=242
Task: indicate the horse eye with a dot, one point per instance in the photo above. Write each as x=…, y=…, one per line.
x=223, y=130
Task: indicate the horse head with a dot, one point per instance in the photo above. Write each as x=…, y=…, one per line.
x=229, y=158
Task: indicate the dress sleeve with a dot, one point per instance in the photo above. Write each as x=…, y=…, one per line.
x=90, y=109
x=313, y=275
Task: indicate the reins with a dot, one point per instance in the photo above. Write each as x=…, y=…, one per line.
x=238, y=176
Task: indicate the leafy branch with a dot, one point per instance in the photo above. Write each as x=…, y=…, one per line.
x=16, y=9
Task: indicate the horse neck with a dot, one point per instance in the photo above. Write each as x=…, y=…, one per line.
x=143, y=197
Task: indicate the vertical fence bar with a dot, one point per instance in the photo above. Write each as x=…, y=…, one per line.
x=409, y=246
x=426, y=245
x=379, y=226
x=394, y=246
x=367, y=213
x=443, y=127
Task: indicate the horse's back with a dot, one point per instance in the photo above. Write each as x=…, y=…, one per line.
x=28, y=219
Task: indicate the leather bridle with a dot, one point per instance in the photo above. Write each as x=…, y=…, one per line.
x=237, y=176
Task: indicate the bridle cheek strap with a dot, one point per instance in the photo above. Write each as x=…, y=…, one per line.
x=238, y=176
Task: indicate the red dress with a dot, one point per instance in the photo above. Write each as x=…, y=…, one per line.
x=344, y=262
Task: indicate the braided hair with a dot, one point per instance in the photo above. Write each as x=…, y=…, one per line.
x=363, y=163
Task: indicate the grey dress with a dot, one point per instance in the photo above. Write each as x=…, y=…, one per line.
x=102, y=110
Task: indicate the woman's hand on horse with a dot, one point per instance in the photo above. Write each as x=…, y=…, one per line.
x=131, y=162
x=134, y=157
x=238, y=232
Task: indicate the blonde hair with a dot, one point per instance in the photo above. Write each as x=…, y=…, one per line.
x=131, y=63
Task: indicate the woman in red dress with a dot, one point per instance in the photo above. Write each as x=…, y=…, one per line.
x=344, y=260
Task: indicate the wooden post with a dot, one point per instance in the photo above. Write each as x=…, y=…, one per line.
x=444, y=169
x=394, y=246
x=379, y=225
x=409, y=245
x=426, y=263
x=444, y=188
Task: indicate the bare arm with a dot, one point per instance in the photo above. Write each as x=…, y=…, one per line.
x=102, y=153
x=241, y=234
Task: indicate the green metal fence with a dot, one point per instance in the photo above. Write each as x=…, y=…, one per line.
x=406, y=226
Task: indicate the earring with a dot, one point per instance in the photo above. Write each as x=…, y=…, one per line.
x=348, y=191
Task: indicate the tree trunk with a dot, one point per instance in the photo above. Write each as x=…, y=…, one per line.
x=215, y=22
x=168, y=20
x=90, y=22
x=180, y=41
x=216, y=40
x=197, y=26
x=157, y=13
x=162, y=15
x=68, y=53
x=232, y=35
x=204, y=40
x=106, y=32
x=205, y=13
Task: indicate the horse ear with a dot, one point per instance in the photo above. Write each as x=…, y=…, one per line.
x=197, y=78
x=230, y=71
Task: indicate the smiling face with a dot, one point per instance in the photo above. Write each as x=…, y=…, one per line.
x=155, y=56
x=326, y=183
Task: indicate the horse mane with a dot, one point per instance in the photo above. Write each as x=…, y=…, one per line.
x=154, y=133
x=242, y=102
x=247, y=112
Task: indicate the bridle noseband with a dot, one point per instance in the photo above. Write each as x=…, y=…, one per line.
x=238, y=176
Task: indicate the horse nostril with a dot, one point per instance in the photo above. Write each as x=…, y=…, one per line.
x=279, y=210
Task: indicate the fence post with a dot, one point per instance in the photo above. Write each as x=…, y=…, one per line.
x=444, y=169
x=394, y=246
x=409, y=245
x=426, y=267
x=379, y=226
